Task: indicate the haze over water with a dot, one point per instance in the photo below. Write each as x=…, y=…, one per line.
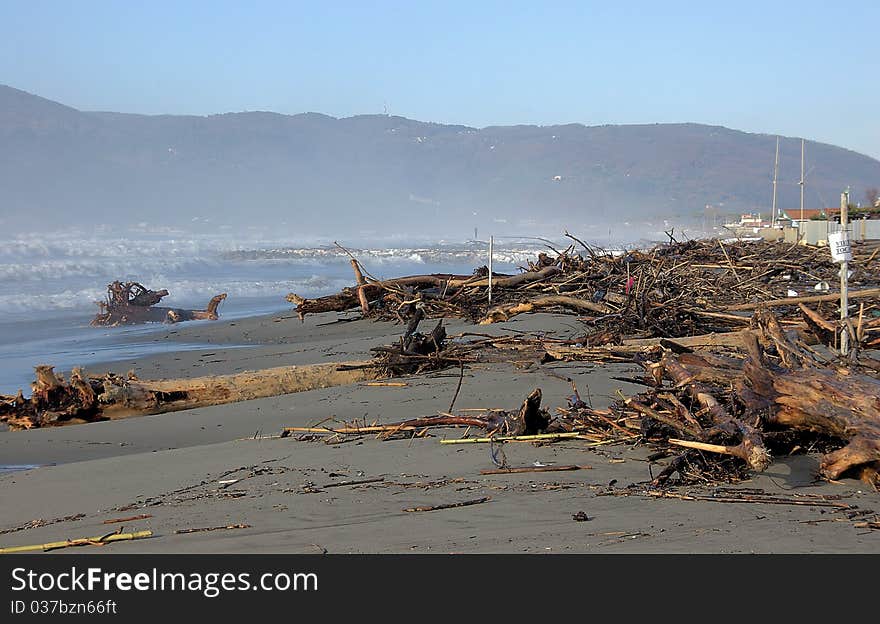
x=49, y=285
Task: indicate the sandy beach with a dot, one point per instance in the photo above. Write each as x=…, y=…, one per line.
x=225, y=465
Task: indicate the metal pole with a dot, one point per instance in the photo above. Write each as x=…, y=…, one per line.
x=491, y=244
x=775, y=176
x=844, y=279
x=802, y=180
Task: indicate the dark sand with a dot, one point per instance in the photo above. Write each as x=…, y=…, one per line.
x=171, y=465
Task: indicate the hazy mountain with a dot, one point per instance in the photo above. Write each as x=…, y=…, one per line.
x=315, y=174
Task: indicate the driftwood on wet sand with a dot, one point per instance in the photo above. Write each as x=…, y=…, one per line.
x=84, y=398
x=131, y=303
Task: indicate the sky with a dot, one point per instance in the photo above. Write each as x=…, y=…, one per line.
x=803, y=69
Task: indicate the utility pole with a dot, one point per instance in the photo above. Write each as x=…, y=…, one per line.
x=802, y=182
x=775, y=177
x=844, y=278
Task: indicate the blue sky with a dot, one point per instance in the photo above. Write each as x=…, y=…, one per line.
x=794, y=68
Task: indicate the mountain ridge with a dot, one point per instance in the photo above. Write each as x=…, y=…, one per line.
x=316, y=173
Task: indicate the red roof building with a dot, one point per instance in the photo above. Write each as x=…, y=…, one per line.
x=809, y=213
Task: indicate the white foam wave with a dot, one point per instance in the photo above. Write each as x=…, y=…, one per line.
x=182, y=293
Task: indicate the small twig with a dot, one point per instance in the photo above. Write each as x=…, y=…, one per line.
x=129, y=519
x=476, y=501
x=358, y=482
x=215, y=528
x=458, y=388
x=534, y=469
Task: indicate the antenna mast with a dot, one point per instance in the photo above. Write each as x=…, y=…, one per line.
x=775, y=177
x=802, y=179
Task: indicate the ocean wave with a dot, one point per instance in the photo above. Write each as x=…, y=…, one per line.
x=123, y=269
x=381, y=257
x=182, y=293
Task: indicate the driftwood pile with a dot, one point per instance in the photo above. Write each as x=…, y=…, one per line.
x=673, y=290
x=729, y=335
x=724, y=410
x=131, y=303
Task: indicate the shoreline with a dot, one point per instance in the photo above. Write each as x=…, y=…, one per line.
x=170, y=466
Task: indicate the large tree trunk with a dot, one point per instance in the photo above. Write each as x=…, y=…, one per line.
x=87, y=399
x=822, y=400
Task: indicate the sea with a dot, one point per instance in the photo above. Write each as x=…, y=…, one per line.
x=50, y=283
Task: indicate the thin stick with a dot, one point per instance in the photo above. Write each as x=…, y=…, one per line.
x=129, y=519
x=534, y=469
x=770, y=500
x=458, y=388
x=476, y=501
x=390, y=384
x=703, y=446
x=358, y=482
x=522, y=438
x=348, y=430
x=214, y=528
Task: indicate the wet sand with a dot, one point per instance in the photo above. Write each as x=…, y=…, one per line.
x=218, y=466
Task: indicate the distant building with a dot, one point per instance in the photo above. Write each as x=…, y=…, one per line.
x=809, y=214
x=752, y=220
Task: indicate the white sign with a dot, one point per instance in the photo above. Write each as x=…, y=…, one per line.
x=838, y=242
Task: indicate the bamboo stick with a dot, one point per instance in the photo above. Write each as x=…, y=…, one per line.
x=522, y=438
x=704, y=446
x=100, y=540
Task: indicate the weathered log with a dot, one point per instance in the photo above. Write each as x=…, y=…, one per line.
x=866, y=293
x=845, y=406
x=506, y=312
x=703, y=341
x=791, y=356
x=55, y=402
x=512, y=281
x=130, y=313
x=824, y=330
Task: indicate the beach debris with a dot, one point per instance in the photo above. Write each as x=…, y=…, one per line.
x=671, y=290
x=467, y=503
x=212, y=528
x=580, y=517
x=132, y=303
x=39, y=522
x=129, y=519
x=528, y=421
x=498, y=471
x=354, y=482
x=101, y=540
x=540, y=437
x=748, y=495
